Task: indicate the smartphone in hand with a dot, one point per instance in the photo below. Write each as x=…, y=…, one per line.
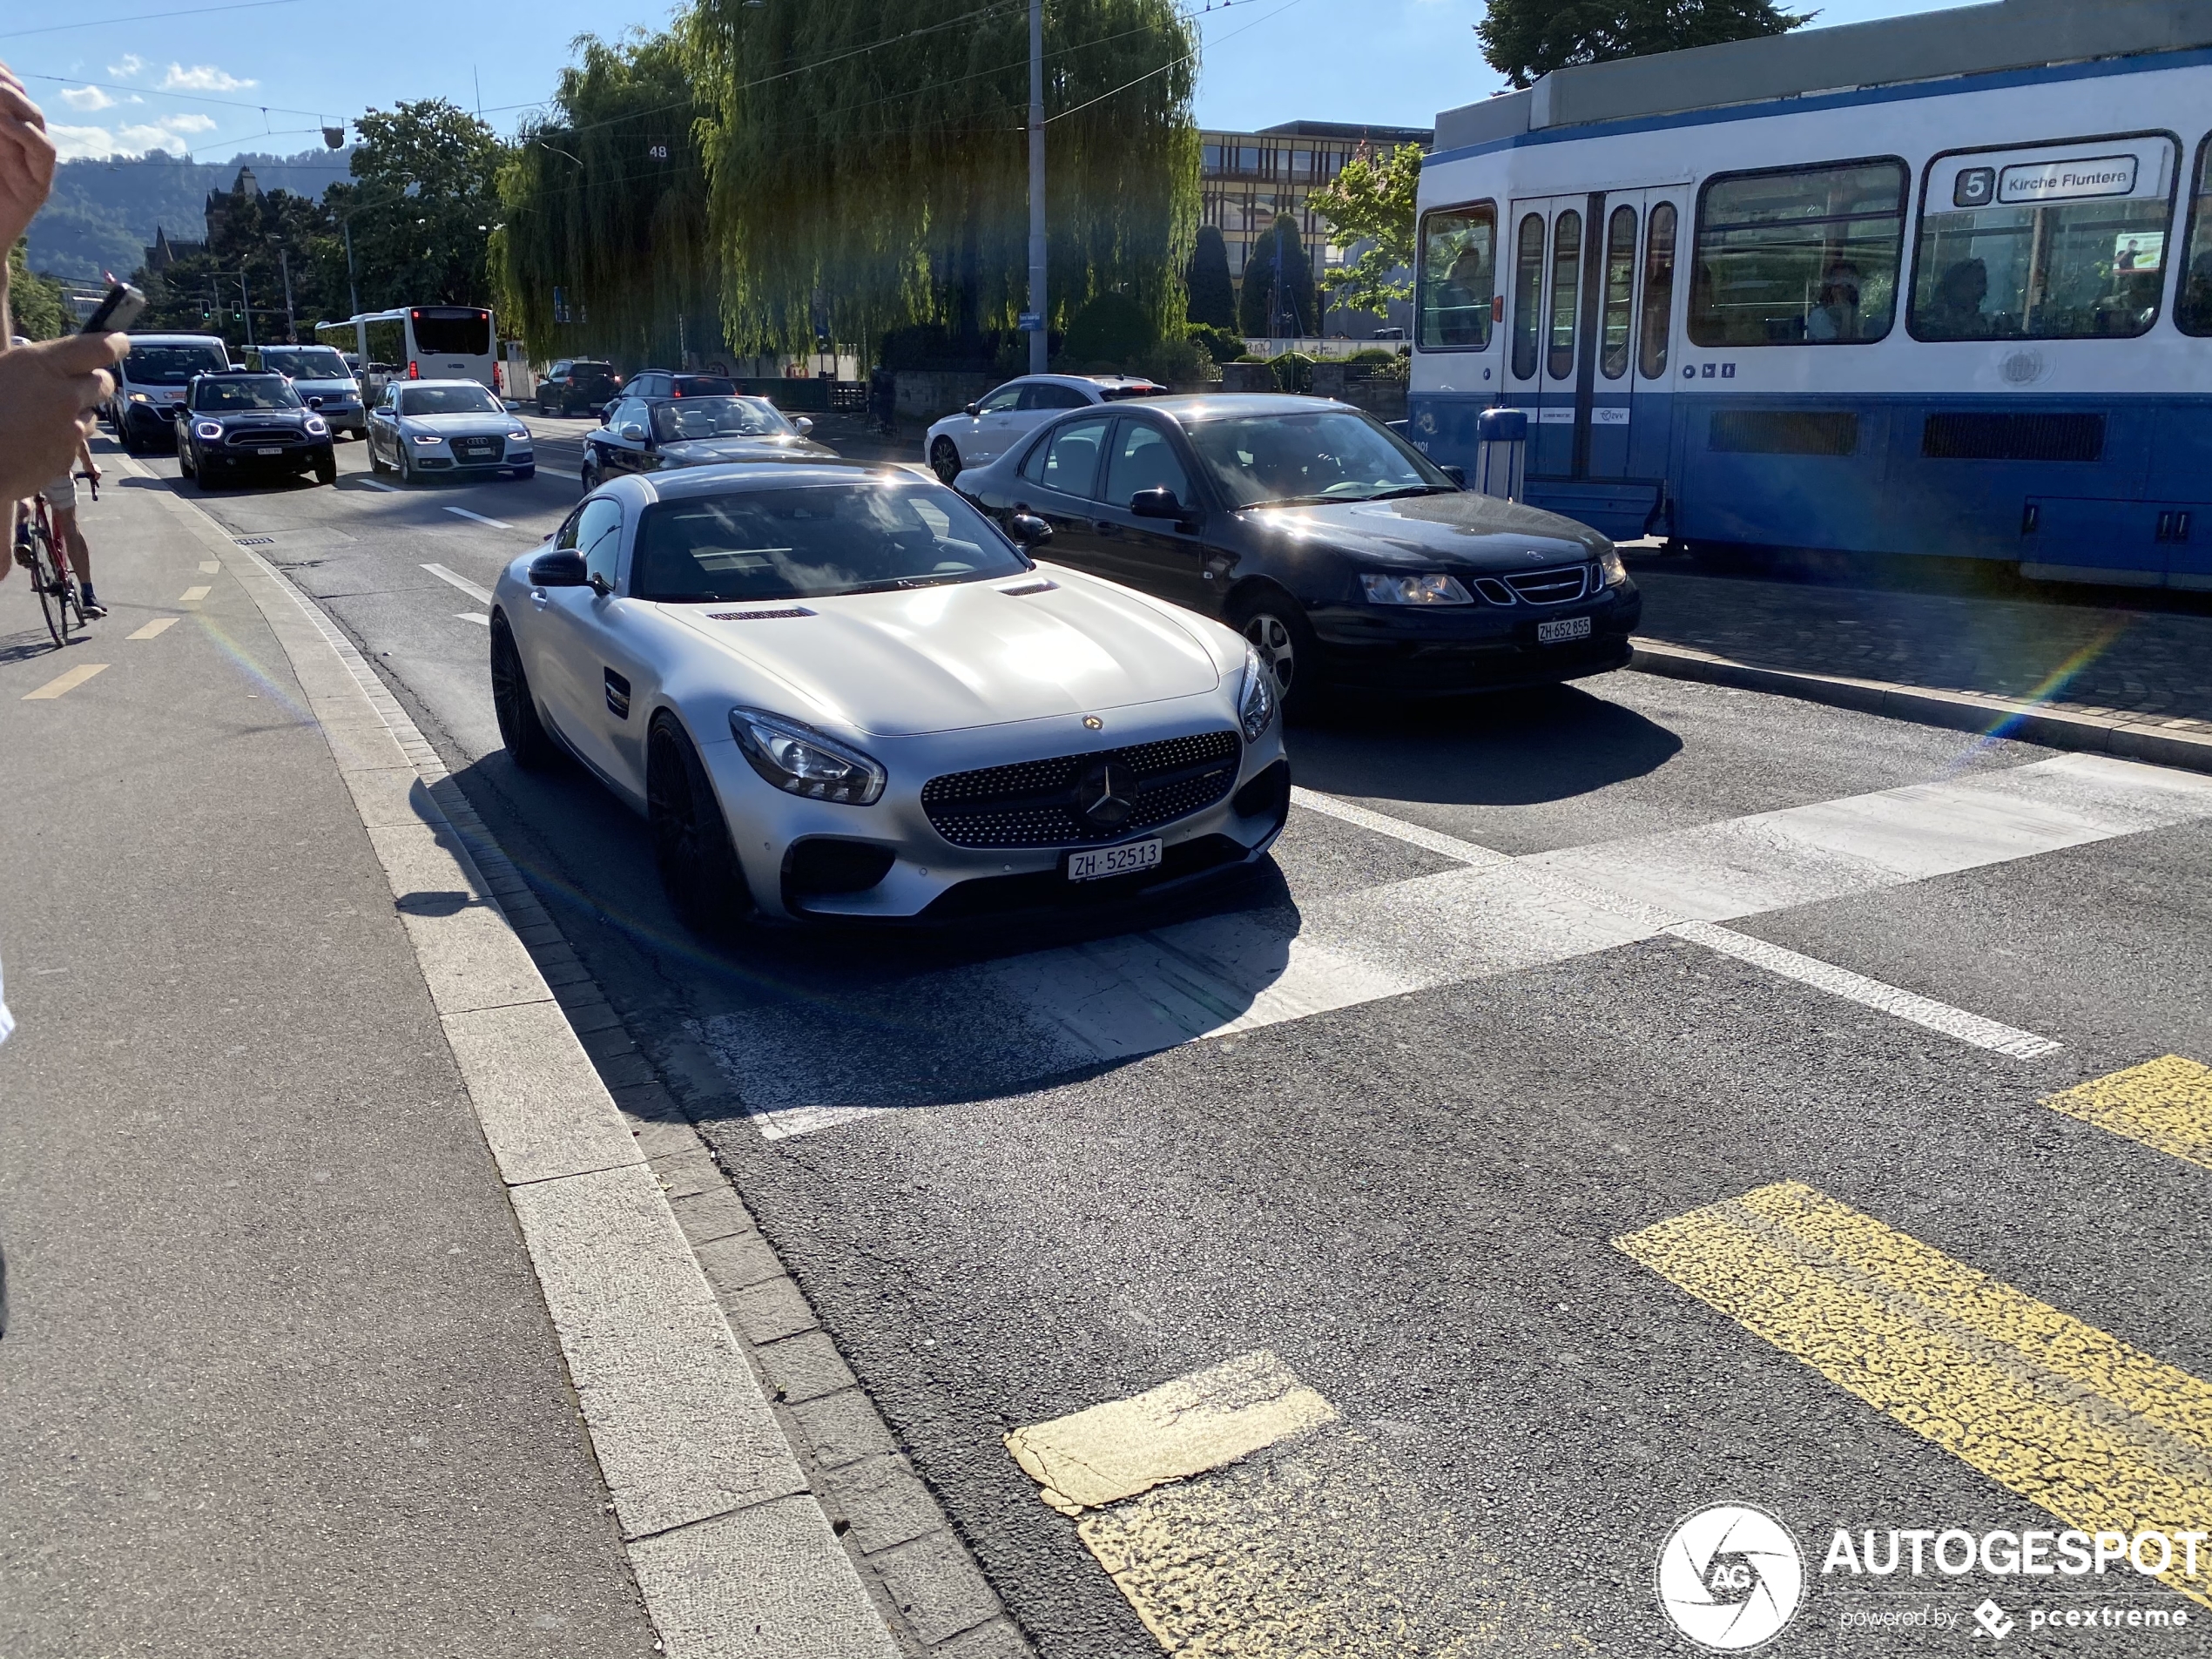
x=118, y=308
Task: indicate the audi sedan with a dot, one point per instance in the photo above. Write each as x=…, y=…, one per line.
x=1337, y=549
x=837, y=691
x=428, y=429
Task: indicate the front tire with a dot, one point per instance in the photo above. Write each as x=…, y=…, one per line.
x=698, y=867
x=944, y=461
x=528, y=745
x=1275, y=625
x=185, y=466
x=326, y=470
x=525, y=474
x=592, y=476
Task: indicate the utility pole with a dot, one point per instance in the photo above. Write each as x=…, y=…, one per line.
x=290, y=322
x=352, y=288
x=245, y=297
x=1039, y=345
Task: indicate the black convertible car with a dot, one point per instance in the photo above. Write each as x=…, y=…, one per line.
x=1341, y=551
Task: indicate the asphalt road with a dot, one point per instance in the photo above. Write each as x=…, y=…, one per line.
x=1421, y=1155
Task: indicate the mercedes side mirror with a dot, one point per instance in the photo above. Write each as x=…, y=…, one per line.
x=563, y=567
x=1159, y=502
x=1029, y=529
x=1457, y=475
x=804, y=425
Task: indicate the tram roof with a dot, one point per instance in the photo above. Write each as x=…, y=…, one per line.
x=1930, y=45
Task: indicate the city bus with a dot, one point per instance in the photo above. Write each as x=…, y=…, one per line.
x=1936, y=284
x=417, y=342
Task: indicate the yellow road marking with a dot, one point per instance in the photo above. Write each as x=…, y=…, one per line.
x=1181, y=1428
x=153, y=628
x=193, y=596
x=2104, y=1436
x=209, y=567
x=2166, y=1105
x=61, y=685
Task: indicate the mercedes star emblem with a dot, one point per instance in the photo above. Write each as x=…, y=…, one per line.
x=1105, y=795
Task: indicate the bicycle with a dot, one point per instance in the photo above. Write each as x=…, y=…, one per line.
x=55, y=582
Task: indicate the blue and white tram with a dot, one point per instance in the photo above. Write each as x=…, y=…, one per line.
x=1968, y=316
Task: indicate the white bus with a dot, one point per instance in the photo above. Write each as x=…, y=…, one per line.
x=417, y=343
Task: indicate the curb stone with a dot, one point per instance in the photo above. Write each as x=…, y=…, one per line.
x=2180, y=743
x=768, y=1553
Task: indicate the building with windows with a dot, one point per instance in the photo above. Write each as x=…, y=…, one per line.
x=1246, y=179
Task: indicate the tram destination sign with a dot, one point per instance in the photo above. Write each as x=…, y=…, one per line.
x=2064, y=181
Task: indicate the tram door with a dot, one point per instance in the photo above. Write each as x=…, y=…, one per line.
x=1593, y=305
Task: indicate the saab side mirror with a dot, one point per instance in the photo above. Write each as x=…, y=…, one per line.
x=562, y=568
x=632, y=433
x=1457, y=475
x=804, y=425
x=1159, y=502
x=1029, y=529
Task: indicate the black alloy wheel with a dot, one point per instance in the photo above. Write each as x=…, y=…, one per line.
x=1275, y=625
x=698, y=867
x=184, y=458
x=592, y=475
x=327, y=470
x=529, y=745
x=944, y=461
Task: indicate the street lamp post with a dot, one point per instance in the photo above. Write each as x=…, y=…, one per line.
x=246, y=299
x=1039, y=345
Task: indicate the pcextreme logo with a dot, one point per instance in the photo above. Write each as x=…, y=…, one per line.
x=1730, y=1577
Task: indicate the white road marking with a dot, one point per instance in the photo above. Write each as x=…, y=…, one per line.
x=372, y=483
x=478, y=618
x=159, y=625
x=481, y=595
x=497, y=523
x=63, y=684
x=193, y=596
x=209, y=567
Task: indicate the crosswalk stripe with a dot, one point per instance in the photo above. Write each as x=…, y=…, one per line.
x=2102, y=1435
x=2164, y=1104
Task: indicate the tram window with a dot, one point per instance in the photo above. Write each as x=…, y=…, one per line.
x=1459, y=277
x=1566, y=278
x=1658, y=292
x=1806, y=256
x=1620, y=291
x=2193, y=311
x=1528, y=297
x=2048, y=269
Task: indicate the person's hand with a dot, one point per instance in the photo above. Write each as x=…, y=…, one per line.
x=26, y=160
x=48, y=393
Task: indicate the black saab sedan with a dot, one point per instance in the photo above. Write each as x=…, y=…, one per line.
x=650, y=434
x=1343, y=554
x=237, y=420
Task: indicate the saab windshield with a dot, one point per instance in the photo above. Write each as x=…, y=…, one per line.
x=1316, y=455
x=814, y=542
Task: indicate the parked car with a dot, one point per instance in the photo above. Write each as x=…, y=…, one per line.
x=1341, y=551
x=325, y=384
x=838, y=690
x=236, y=420
x=981, y=432
x=647, y=434
x=431, y=427
x=150, y=385
x=578, y=384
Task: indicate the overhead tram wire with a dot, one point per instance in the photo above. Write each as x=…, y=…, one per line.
x=145, y=16
x=1174, y=63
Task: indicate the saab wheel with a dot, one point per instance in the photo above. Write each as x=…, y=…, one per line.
x=1277, y=628
x=528, y=745
x=326, y=470
x=691, y=837
x=944, y=461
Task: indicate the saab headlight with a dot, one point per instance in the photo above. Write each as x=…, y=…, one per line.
x=1386, y=588
x=801, y=761
x=1255, y=697
x=426, y=438
x=207, y=429
x=1611, y=571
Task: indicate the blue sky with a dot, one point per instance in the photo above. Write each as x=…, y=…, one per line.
x=201, y=80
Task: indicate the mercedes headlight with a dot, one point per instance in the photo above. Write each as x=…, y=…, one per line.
x=1255, y=697
x=801, y=761
x=1610, y=570
x=1384, y=588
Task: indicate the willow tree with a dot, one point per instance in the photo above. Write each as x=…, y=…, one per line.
x=867, y=165
x=605, y=199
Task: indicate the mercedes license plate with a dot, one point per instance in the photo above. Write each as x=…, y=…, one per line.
x=272, y=449
x=1565, y=628
x=1103, y=861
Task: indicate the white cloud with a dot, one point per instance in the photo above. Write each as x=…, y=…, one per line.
x=189, y=123
x=86, y=98
x=130, y=65
x=202, y=77
x=73, y=143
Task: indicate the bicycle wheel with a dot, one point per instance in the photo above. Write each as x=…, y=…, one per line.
x=44, y=577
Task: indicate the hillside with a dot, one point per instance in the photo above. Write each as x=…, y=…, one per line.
x=103, y=212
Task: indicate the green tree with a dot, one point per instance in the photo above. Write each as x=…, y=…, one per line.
x=1370, y=202
x=35, y=301
x=261, y=235
x=1257, y=310
x=1527, y=39
x=1112, y=331
x=868, y=168
x=1212, y=294
x=606, y=198
x=422, y=203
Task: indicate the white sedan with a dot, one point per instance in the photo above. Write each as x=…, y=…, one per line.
x=986, y=429
x=425, y=429
x=837, y=689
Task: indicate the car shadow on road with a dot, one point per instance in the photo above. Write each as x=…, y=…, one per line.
x=1506, y=749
